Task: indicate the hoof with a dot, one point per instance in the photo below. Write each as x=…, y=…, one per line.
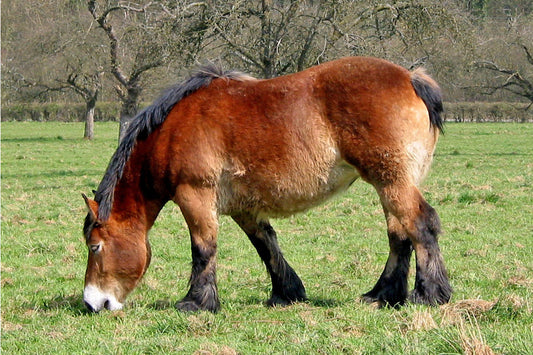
x=440, y=295
x=188, y=306
x=191, y=306
x=278, y=301
x=375, y=302
x=384, y=298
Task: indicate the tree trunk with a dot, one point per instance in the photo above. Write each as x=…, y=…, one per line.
x=128, y=110
x=89, y=119
x=124, y=123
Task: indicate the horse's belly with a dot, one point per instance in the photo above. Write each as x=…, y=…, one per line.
x=298, y=200
x=282, y=196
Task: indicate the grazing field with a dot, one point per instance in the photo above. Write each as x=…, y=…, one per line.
x=481, y=184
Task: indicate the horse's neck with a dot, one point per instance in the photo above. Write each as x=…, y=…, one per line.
x=130, y=203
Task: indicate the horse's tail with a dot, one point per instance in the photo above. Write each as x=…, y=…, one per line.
x=429, y=91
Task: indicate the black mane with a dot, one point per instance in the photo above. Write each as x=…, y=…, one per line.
x=144, y=123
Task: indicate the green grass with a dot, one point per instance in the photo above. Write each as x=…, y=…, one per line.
x=481, y=185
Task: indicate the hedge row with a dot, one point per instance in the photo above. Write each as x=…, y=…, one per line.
x=62, y=112
x=487, y=112
x=109, y=111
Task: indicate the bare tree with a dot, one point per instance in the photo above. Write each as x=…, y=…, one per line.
x=145, y=44
x=88, y=87
x=84, y=85
x=50, y=63
x=275, y=37
x=129, y=87
x=504, y=60
x=144, y=37
x=511, y=80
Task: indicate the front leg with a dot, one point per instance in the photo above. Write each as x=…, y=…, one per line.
x=203, y=293
x=198, y=208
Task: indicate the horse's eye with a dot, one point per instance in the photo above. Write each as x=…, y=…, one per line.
x=95, y=248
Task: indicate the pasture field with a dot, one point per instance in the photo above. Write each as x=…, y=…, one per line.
x=481, y=184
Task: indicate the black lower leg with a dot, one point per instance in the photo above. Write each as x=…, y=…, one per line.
x=286, y=285
x=391, y=288
x=431, y=283
x=203, y=294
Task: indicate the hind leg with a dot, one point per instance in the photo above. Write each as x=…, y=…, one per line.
x=198, y=208
x=391, y=288
x=422, y=225
x=286, y=285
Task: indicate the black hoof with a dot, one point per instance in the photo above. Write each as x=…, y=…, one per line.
x=433, y=296
x=192, y=306
x=372, y=301
x=187, y=306
x=279, y=301
x=386, y=297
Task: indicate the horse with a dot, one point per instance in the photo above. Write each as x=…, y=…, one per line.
x=225, y=143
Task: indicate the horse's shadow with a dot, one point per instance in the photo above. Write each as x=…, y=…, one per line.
x=71, y=303
x=166, y=304
x=74, y=304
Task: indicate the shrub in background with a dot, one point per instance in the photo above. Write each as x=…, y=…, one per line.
x=61, y=112
x=487, y=112
x=110, y=111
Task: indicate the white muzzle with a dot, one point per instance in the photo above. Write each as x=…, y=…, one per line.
x=95, y=299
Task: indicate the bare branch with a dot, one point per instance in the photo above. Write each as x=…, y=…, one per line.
x=248, y=56
x=110, y=32
x=125, y=7
x=140, y=70
x=312, y=32
x=514, y=82
x=528, y=55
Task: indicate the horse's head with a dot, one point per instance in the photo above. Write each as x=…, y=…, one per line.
x=119, y=255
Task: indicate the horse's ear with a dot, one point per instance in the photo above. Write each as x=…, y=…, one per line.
x=92, y=206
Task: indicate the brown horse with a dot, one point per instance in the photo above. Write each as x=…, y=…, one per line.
x=226, y=143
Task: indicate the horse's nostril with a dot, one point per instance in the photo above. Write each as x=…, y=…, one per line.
x=106, y=304
x=89, y=307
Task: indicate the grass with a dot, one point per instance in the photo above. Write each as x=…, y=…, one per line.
x=481, y=185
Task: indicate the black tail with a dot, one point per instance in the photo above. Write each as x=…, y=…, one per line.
x=429, y=91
